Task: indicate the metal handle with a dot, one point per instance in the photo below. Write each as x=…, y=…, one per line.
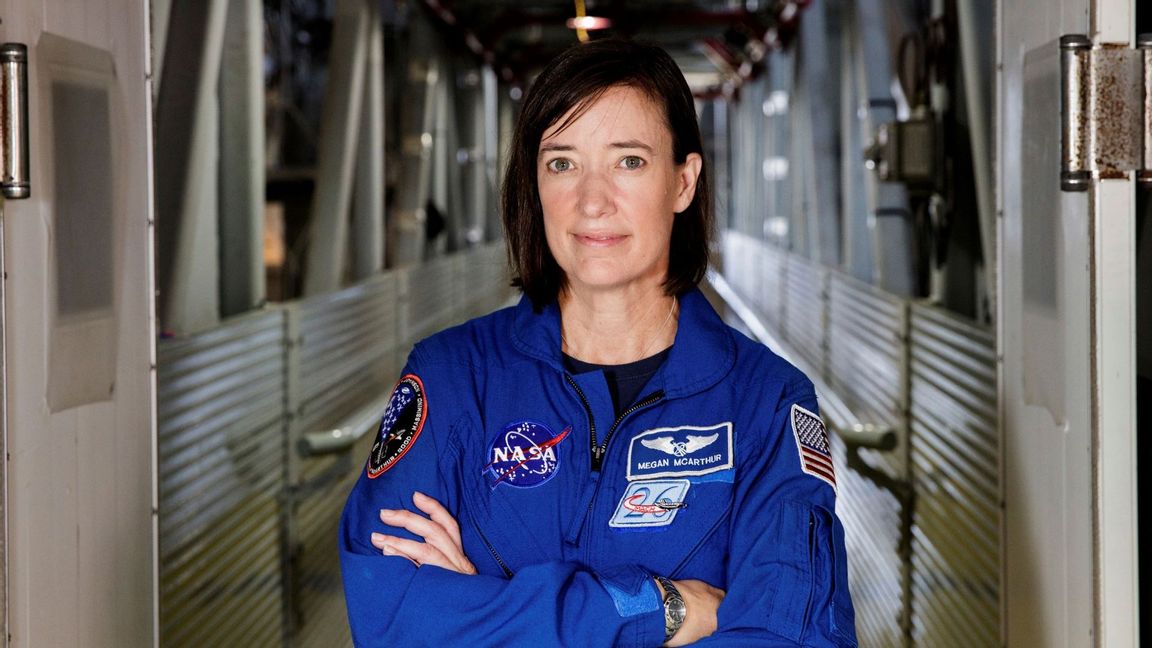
x=14, y=121
x=346, y=433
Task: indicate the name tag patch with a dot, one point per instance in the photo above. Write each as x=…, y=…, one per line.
x=650, y=503
x=524, y=455
x=684, y=451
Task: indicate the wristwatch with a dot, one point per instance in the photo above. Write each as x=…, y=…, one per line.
x=674, y=609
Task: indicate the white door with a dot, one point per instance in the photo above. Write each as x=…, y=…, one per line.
x=78, y=332
x=1067, y=350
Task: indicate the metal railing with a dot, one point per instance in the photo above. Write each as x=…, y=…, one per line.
x=836, y=413
x=263, y=423
x=920, y=499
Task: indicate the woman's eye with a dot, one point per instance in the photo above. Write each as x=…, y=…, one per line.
x=559, y=165
x=632, y=162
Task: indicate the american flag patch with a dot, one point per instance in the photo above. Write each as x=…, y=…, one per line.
x=812, y=444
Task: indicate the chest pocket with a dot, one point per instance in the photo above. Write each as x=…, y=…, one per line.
x=513, y=511
x=676, y=527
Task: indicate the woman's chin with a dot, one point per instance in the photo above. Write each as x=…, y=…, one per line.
x=605, y=282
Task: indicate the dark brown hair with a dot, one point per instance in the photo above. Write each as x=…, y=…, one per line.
x=576, y=79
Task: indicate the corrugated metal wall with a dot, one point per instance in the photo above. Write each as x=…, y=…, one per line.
x=872, y=518
x=922, y=521
x=347, y=347
x=866, y=367
x=805, y=309
x=955, y=466
x=247, y=523
x=222, y=449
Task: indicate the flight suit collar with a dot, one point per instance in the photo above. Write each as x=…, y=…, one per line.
x=702, y=355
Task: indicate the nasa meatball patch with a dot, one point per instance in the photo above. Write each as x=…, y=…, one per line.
x=403, y=420
x=812, y=444
x=524, y=455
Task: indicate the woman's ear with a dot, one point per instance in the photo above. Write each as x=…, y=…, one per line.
x=686, y=176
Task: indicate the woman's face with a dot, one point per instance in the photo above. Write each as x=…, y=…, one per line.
x=610, y=190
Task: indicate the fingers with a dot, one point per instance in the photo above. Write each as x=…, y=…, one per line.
x=439, y=515
x=420, y=553
x=417, y=524
x=440, y=531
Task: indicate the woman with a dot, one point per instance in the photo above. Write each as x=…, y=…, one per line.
x=606, y=463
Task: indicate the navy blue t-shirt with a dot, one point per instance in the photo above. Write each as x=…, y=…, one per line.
x=625, y=381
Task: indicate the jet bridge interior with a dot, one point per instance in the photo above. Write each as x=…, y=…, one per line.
x=225, y=223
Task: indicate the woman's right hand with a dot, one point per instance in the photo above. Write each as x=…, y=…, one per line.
x=701, y=601
x=441, y=533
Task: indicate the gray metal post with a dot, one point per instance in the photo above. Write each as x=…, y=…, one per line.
x=471, y=155
x=417, y=123
x=242, y=159
x=979, y=116
x=328, y=232
x=187, y=146
x=820, y=29
x=368, y=201
x=892, y=235
x=161, y=10
x=858, y=249
x=491, y=131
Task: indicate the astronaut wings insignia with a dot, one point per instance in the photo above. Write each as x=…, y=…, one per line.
x=679, y=448
x=684, y=451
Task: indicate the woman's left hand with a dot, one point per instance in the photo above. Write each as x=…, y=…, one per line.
x=441, y=547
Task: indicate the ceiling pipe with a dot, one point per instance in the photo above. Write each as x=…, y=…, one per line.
x=770, y=39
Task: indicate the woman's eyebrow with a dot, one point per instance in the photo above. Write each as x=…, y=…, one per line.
x=556, y=147
x=626, y=144
x=632, y=144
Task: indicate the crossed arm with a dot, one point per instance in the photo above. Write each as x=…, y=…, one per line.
x=442, y=547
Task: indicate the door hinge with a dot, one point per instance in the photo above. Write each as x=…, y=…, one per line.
x=1106, y=114
x=14, y=182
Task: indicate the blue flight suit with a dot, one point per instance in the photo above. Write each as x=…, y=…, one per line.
x=719, y=472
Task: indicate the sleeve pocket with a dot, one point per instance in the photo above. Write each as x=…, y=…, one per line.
x=830, y=614
x=810, y=605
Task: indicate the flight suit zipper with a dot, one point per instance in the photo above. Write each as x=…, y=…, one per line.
x=598, y=453
x=492, y=550
x=599, y=450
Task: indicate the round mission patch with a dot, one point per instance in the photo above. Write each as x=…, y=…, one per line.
x=403, y=420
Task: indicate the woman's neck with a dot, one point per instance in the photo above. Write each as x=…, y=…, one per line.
x=613, y=328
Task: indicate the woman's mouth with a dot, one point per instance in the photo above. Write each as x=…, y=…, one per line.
x=599, y=239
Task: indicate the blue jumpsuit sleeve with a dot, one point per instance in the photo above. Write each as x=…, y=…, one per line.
x=391, y=602
x=787, y=571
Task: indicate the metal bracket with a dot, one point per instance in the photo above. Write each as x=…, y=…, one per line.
x=14, y=182
x=1106, y=113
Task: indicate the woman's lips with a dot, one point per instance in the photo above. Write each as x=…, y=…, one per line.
x=599, y=239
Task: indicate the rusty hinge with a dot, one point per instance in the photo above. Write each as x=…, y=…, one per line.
x=1106, y=112
x=14, y=121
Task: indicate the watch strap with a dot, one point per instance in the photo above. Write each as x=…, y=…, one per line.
x=674, y=609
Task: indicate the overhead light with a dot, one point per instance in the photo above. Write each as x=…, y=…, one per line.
x=589, y=23
x=583, y=23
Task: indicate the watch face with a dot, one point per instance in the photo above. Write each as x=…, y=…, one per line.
x=676, y=610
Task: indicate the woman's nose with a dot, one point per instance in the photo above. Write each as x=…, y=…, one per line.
x=595, y=195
